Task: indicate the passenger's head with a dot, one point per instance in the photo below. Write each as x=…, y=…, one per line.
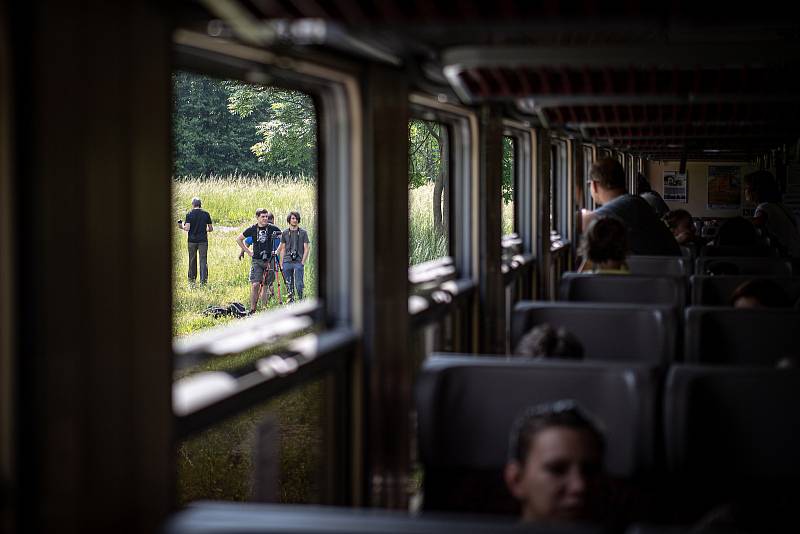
x=295, y=215
x=608, y=174
x=544, y=341
x=262, y=214
x=196, y=203
x=605, y=242
x=642, y=184
x=270, y=217
x=680, y=223
x=555, y=463
x=760, y=293
x=737, y=232
x=760, y=186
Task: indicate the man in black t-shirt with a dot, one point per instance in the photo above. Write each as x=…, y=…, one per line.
x=261, y=268
x=197, y=224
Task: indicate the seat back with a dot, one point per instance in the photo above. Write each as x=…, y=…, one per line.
x=657, y=265
x=718, y=290
x=761, y=250
x=731, y=265
x=732, y=423
x=634, y=289
x=729, y=336
x=466, y=405
x=649, y=331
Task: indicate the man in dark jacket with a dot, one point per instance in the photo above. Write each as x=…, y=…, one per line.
x=197, y=224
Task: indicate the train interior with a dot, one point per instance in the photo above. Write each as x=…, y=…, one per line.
x=111, y=422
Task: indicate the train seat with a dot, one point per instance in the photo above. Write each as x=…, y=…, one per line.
x=743, y=265
x=215, y=517
x=760, y=251
x=731, y=439
x=717, y=290
x=658, y=265
x=466, y=405
x=649, y=331
x=728, y=336
x=634, y=289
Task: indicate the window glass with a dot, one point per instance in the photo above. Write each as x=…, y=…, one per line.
x=508, y=186
x=272, y=452
x=428, y=191
x=237, y=148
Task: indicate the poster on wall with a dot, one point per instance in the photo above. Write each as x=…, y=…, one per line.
x=675, y=186
x=724, y=187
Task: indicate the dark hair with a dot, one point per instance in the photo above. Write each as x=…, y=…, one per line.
x=674, y=217
x=765, y=291
x=606, y=239
x=296, y=214
x=259, y=211
x=545, y=341
x=737, y=232
x=763, y=186
x=642, y=185
x=609, y=173
x=270, y=216
x=196, y=202
x=563, y=413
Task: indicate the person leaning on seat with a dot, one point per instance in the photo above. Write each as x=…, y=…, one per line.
x=647, y=235
x=555, y=464
x=197, y=224
x=604, y=247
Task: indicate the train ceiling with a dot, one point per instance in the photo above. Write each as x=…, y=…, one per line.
x=666, y=82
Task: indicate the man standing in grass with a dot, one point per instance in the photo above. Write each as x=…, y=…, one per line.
x=261, y=271
x=293, y=252
x=197, y=224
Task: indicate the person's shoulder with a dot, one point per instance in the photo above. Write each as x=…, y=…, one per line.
x=249, y=229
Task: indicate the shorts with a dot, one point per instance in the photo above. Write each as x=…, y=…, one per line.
x=257, y=272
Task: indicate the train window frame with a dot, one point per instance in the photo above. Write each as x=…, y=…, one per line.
x=438, y=285
x=562, y=189
x=335, y=318
x=589, y=155
x=519, y=247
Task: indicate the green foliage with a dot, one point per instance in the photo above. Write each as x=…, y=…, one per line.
x=224, y=127
x=423, y=152
x=289, y=133
x=424, y=242
x=508, y=169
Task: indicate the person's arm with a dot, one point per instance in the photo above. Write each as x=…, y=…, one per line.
x=280, y=250
x=210, y=225
x=242, y=246
x=586, y=218
x=306, y=250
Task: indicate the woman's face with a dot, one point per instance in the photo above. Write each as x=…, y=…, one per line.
x=559, y=480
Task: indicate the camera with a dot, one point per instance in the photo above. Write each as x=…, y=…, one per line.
x=293, y=255
x=180, y=222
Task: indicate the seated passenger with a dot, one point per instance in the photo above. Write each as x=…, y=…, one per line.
x=646, y=233
x=682, y=227
x=760, y=293
x=544, y=341
x=780, y=224
x=605, y=247
x=555, y=465
x=653, y=198
x=737, y=232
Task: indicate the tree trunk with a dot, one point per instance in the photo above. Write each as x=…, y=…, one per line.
x=441, y=187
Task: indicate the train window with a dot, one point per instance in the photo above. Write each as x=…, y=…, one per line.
x=240, y=146
x=443, y=228
x=560, y=183
x=588, y=159
x=508, y=189
x=428, y=191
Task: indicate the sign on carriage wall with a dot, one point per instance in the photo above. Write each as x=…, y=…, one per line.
x=675, y=186
x=724, y=187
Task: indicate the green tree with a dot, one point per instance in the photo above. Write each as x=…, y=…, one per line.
x=207, y=138
x=288, y=132
x=508, y=169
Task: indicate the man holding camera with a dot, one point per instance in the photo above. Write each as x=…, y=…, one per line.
x=293, y=252
x=197, y=225
x=261, y=271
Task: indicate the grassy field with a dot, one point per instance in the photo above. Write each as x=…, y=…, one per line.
x=219, y=463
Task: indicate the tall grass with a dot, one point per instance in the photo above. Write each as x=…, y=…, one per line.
x=232, y=203
x=424, y=242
